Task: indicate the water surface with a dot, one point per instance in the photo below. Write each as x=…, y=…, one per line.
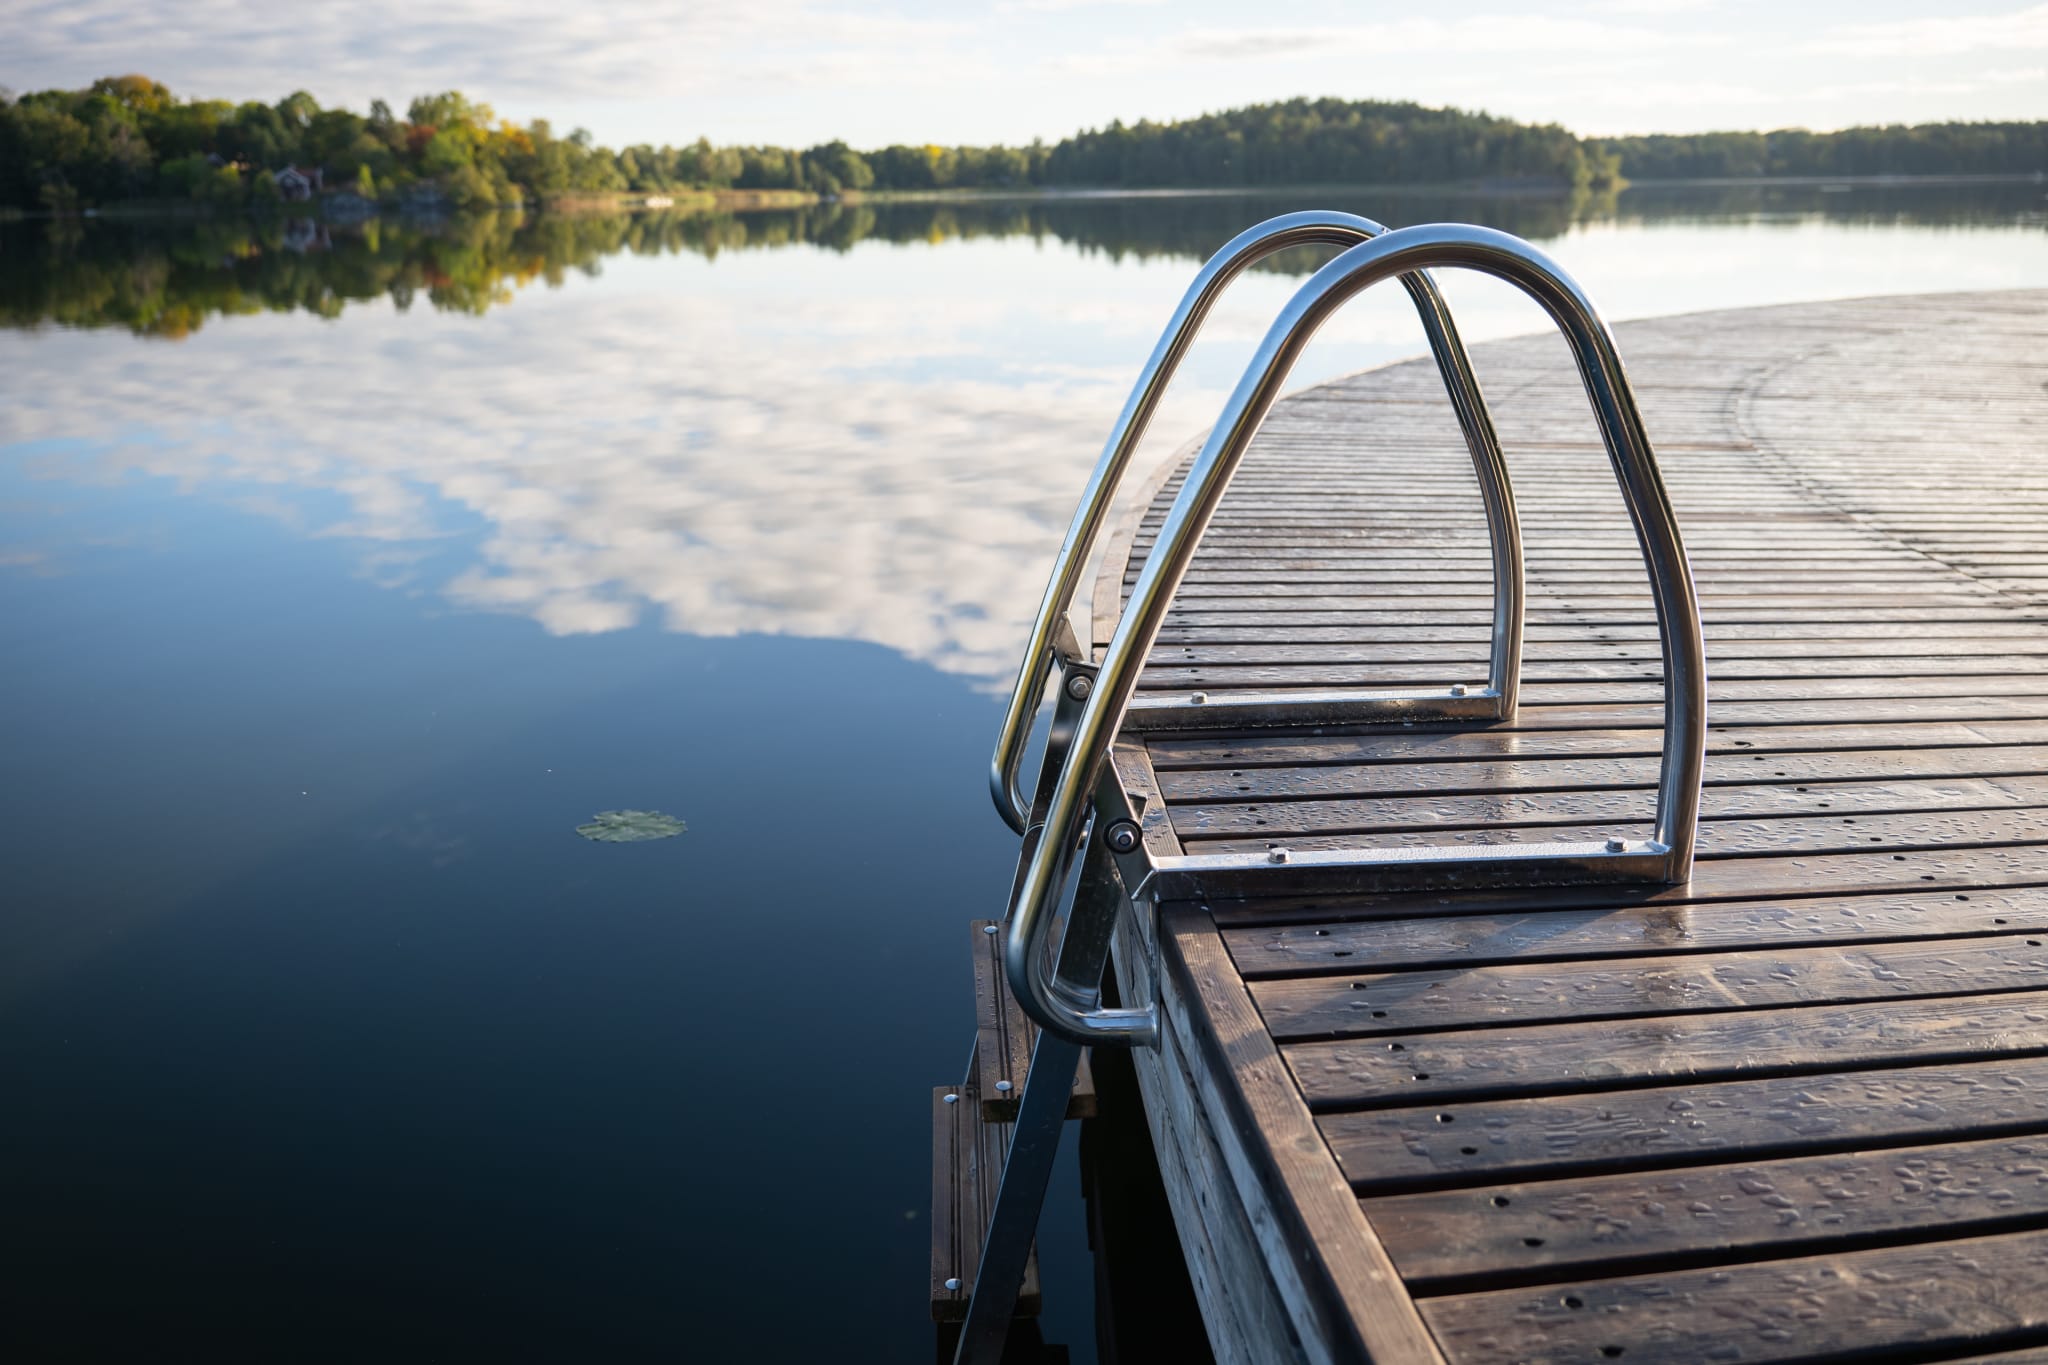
x=345, y=571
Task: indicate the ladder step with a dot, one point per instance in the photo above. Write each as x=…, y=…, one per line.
x=1004, y=1035
x=967, y=1168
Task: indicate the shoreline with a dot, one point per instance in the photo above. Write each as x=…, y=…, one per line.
x=755, y=200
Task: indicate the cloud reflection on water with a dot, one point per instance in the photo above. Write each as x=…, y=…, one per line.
x=879, y=444
x=614, y=457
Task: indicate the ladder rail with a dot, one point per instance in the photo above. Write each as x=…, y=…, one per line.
x=1071, y=1013
x=1045, y=645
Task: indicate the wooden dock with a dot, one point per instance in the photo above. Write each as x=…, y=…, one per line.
x=1795, y=1110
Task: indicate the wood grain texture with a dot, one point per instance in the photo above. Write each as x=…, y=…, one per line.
x=1490, y=1142
x=1544, y=1230
x=1794, y=1110
x=1556, y=1058
x=1364, y=1005
x=1246, y=1321
x=1950, y=1297
x=1336, y=1278
x=967, y=1169
x=1467, y=941
x=1161, y=481
x=1004, y=1036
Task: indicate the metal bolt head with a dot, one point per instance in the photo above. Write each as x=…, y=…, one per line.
x=1617, y=845
x=1003, y=1086
x=1457, y=689
x=1199, y=698
x=988, y=928
x=954, y=1285
x=1277, y=855
x=1122, y=837
x=1079, y=686
x=952, y=1099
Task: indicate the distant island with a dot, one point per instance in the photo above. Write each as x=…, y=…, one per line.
x=129, y=140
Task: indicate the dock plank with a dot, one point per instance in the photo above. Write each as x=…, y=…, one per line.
x=1972, y=1294
x=1796, y=1109
x=1365, y=1005
x=1449, y=1240
x=1674, y=1126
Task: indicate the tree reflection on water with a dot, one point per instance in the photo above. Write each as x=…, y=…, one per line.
x=166, y=277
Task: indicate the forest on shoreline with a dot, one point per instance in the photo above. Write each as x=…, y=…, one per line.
x=128, y=139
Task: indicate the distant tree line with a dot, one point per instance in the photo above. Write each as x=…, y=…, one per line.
x=1309, y=142
x=1925, y=149
x=128, y=137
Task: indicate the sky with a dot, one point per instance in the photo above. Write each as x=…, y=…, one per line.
x=799, y=72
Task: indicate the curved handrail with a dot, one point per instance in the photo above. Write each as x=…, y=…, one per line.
x=1240, y=252
x=1059, y=1007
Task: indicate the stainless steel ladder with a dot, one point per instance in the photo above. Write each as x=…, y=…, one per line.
x=1081, y=806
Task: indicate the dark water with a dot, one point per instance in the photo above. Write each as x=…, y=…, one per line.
x=345, y=571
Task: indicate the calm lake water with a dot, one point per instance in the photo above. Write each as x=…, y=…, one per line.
x=344, y=573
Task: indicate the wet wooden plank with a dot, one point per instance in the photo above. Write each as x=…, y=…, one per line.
x=1366, y=1004
x=1567, y=1057
x=1452, y=669
x=1493, y=1142
x=1554, y=740
x=1450, y=1240
x=1781, y=834
x=1466, y=941
x=1480, y=777
x=1564, y=625
x=1973, y=1294
x=1251, y=819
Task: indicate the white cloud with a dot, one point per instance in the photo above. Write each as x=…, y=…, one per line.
x=803, y=71
x=1654, y=8
x=1947, y=35
x=1917, y=86
x=1683, y=94
x=1476, y=35
x=497, y=49
x=794, y=487
x=1068, y=6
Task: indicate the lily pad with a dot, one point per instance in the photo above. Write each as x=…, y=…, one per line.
x=630, y=826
